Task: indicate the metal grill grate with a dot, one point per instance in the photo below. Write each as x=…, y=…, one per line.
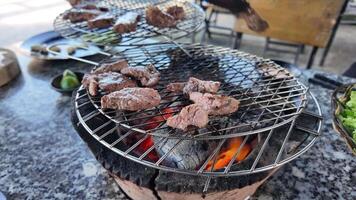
x=194, y=18
x=266, y=102
x=275, y=147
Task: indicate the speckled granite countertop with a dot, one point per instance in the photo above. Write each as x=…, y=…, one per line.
x=42, y=157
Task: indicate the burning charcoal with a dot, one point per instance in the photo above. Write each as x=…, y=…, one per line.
x=158, y=18
x=188, y=154
x=215, y=104
x=192, y=115
x=148, y=76
x=115, y=66
x=108, y=82
x=177, y=12
x=132, y=99
x=127, y=23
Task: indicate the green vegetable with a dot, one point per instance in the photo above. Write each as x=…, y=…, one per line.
x=348, y=115
x=69, y=80
x=67, y=72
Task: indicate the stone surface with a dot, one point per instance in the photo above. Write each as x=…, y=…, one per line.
x=43, y=157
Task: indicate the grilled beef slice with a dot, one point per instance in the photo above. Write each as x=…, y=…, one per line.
x=177, y=12
x=116, y=66
x=158, y=18
x=194, y=85
x=215, y=104
x=101, y=21
x=148, y=76
x=176, y=87
x=192, y=115
x=132, y=99
x=127, y=23
x=75, y=16
x=108, y=82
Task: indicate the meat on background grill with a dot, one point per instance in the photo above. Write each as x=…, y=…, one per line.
x=177, y=12
x=75, y=16
x=148, y=76
x=131, y=99
x=107, y=81
x=102, y=21
x=215, y=104
x=192, y=115
x=157, y=17
x=89, y=6
x=194, y=85
x=115, y=66
x=127, y=22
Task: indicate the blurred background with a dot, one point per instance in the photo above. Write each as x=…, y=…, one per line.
x=20, y=19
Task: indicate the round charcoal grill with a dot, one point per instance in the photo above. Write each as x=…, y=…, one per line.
x=277, y=117
x=266, y=102
x=193, y=20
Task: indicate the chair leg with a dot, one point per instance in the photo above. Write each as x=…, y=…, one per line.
x=312, y=57
x=238, y=39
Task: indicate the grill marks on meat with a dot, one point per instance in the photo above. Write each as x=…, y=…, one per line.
x=194, y=85
x=175, y=87
x=116, y=66
x=192, y=115
x=107, y=81
x=159, y=18
x=132, y=99
x=177, y=12
x=148, y=76
x=75, y=16
x=101, y=21
x=127, y=23
x=215, y=104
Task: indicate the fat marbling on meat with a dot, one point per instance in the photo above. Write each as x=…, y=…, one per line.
x=215, y=104
x=131, y=99
x=107, y=81
x=192, y=115
x=148, y=76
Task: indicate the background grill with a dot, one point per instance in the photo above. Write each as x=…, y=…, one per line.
x=194, y=18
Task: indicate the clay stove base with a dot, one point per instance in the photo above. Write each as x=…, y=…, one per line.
x=138, y=192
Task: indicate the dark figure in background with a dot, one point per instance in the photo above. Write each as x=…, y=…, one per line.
x=241, y=8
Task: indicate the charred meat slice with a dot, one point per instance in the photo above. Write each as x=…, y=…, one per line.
x=107, y=81
x=148, y=76
x=215, y=104
x=113, y=81
x=75, y=16
x=132, y=99
x=127, y=23
x=89, y=81
x=176, y=87
x=91, y=7
x=197, y=85
x=101, y=21
x=192, y=115
x=116, y=66
x=177, y=12
x=158, y=18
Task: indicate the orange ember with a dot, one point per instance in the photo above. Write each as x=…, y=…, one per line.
x=225, y=157
x=152, y=123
